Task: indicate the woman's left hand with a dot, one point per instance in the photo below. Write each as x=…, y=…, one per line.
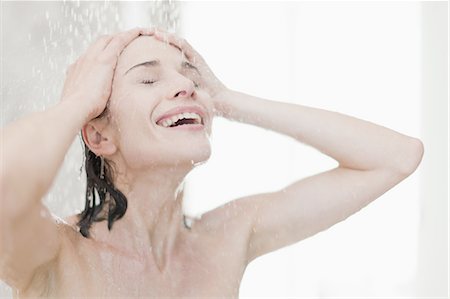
x=209, y=82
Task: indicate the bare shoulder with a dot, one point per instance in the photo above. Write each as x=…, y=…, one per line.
x=230, y=222
x=227, y=214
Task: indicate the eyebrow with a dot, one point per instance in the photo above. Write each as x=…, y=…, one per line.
x=155, y=63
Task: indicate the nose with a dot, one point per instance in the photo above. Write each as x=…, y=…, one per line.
x=184, y=89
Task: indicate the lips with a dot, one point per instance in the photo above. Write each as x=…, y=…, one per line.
x=182, y=109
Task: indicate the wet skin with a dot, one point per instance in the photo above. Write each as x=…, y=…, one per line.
x=170, y=260
x=209, y=260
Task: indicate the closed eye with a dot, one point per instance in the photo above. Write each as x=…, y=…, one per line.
x=148, y=82
x=151, y=82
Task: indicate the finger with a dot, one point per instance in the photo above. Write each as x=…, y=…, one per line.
x=121, y=40
x=168, y=38
x=98, y=45
x=178, y=42
x=181, y=44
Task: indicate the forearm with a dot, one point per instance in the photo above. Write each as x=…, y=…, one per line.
x=33, y=149
x=353, y=142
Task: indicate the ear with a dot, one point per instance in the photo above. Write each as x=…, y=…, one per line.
x=98, y=138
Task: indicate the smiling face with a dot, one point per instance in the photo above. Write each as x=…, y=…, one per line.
x=143, y=93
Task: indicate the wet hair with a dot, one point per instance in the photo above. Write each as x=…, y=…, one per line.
x=98, y=207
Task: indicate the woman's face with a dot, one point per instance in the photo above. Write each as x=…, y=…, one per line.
x=136, y=104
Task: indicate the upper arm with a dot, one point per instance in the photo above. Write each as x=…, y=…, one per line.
x=27, y=243
x=311, y=205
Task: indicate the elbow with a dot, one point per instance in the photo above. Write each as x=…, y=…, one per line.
x=411, y=157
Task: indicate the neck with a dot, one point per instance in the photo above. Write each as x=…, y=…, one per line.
x=154, y=217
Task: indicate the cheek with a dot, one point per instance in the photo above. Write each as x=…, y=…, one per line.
x=133, y=125
x=136, y=142
x=131, y=122
x=133, y=104
x=134, y=121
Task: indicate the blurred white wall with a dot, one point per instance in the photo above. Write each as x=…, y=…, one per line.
x=382, y=62
x=433, y=229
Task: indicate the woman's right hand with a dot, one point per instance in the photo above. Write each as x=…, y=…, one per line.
x=89, y=79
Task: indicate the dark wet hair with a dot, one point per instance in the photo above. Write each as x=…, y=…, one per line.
x=98, y=207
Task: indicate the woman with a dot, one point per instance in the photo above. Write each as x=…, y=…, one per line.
x=127, y=94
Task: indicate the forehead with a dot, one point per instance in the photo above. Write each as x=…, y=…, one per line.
x=145, y=48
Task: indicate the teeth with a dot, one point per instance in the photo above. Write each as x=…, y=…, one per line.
x=170, y=121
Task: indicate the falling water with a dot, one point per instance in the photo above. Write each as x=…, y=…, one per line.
x=39, y=41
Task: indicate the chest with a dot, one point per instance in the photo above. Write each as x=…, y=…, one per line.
x=206, y=267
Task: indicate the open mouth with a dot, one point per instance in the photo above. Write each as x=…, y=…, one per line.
x=182, y=120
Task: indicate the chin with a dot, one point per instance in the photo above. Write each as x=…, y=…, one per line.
x=203, y=157
x=194, y=154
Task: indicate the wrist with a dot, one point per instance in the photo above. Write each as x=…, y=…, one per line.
x=223, y=103
x=75, y=106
